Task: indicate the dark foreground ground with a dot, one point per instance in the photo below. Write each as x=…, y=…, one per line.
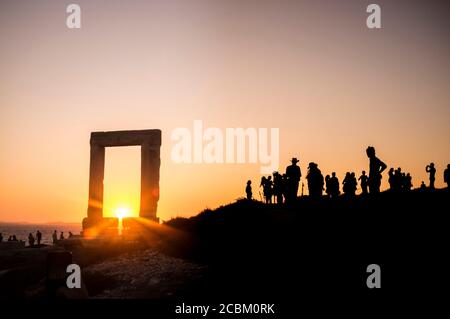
x=309, y=253
x=320, y=250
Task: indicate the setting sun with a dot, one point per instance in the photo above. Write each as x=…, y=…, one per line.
x=122, y=212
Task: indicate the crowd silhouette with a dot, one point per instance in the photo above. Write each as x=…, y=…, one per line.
x=349, y=184
x=283, y=188
x=35, y=240
x=399, y=181
x=332, y=185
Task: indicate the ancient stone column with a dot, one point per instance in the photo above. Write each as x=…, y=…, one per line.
x=96, y=176
x=150, y=164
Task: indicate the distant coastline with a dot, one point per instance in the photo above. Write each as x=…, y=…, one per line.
x=32, y=223
x=21, y=230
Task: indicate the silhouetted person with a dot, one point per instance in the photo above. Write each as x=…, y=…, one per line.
x=31, y=239
x=71, y=235
x=364, y=182
x=447, y=176
x=10, y=238
x=54, y=237
x=327, y=185
x=268, y=190
x=398, y=179
x=345, y=183
x=430, y=169
x=391, y=179
x=408, y=182
x=284, y=186
x=315, y=180
x=354, y=183
x=278, y=187
x=376, y=168
x=14, y=238
x=349, y=184
x=38, y=237
x=423, y=186
x=61, y=236
x=248, y=190
x=293, y=174
x=263, y=182
x=403, y=181
x=334, y=185
x=1, y=237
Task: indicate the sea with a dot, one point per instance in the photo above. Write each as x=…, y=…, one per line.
x=21, y=230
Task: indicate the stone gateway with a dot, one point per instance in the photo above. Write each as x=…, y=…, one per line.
x=150, y=142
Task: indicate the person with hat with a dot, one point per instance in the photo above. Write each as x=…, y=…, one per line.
x=293, y=175
x=315, y=180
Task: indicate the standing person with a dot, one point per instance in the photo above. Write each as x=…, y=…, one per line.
x=398, y=179
x=346, y=184
x=408, y=182
x=447, y=176
x=334, y=184
x=31, y=239
x=391, y=179
x=278, y=187
x=55, y=237
x=376, y=168
x=61, y=236
x=248, y=190
x=263, y=182
x=363, y=178
x=38, y=237
x=353, y=184
x=293, y=174
x=404, y=182
x=328, y=185
x=315, y=180
x=268, y=190
x=284, y=187
x=430, y=169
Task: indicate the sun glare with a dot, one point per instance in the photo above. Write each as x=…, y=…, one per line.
x=122, y=212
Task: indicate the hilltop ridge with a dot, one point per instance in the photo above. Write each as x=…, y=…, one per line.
x=319, y=245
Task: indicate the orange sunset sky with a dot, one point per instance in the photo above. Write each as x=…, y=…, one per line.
x=310, y=68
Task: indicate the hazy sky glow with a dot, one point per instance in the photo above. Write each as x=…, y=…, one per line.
x=310, y=68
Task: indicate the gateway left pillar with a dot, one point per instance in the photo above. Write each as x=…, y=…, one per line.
x=96, y=176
